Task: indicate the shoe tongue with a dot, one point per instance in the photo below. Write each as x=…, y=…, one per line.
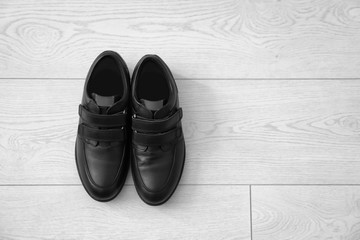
x=103, y=104
x=103, y=101
x=153, y=105
x=153, y=109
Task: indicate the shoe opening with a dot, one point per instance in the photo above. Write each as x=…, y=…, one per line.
x=106, y=78
x=152, y=88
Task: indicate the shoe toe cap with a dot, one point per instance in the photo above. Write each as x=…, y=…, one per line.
x=102, y=170
x=157, y=173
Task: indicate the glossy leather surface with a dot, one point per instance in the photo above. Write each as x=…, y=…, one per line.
x=158, y=147
x=102, y=150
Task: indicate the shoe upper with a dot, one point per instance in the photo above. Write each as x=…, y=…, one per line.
x=158, y=147
x=102, y=151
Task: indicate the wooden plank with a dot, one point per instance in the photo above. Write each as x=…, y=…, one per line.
x=237, y=132
x=198, y=39
x=306, y=212
x=66, y=212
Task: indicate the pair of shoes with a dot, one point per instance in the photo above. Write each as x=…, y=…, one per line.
x=122, y=125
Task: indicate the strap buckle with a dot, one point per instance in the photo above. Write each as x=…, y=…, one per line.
x=101, y=134
x=151, y=139
x=156, y=125
x=98, y=120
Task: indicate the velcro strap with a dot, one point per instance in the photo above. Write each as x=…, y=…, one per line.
x=148, y=139
x=98, y=120
x=101, y=134
x=156, y=125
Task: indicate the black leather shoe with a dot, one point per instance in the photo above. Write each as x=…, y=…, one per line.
x=102, y=149
x=158, y=147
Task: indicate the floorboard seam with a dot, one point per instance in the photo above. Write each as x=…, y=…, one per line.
x=220, y=184
x=181, y=79
x=251, y=220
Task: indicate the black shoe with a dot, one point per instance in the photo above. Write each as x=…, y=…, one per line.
x=102, y=149
x=158, y=147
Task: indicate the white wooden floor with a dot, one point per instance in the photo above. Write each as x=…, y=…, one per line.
x=271, y=98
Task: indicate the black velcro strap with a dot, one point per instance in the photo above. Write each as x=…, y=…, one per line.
x=101, y=134
x=156, y=125
x=149, y=139
x=98, y=120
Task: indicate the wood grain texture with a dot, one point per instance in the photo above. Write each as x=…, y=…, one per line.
x=236, y=132
x=306, y=212
x=198, y=39
x=66, y=212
